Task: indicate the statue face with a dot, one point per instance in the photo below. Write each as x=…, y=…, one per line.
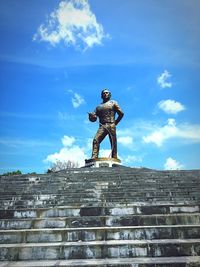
x=105, y=95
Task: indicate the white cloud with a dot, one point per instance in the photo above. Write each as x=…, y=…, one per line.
x=162, y=80
x=105, y=153
x=76, y=99
x=74, y=154
x=74, y=24
x=132, y=159
x=161, y=134
x=188, y=132
x=67, y=141
x=125, y=140
x=170, y=106
x=172, y=164
x=70, y=151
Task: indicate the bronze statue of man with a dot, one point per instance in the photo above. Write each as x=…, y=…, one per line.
x=106, y=112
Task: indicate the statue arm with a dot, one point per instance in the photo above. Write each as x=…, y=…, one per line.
x=120, y=116
x=119, y=112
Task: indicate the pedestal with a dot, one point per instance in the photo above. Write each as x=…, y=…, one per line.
x=102, y=162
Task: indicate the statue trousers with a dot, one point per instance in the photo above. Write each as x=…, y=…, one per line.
x=104, y=130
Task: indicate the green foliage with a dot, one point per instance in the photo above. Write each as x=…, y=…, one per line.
x=18, y=172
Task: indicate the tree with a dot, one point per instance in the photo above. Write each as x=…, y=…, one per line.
x=18, y=172
x=62, y=165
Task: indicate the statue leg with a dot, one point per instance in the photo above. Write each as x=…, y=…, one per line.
x=100, y=135
x=113, y=140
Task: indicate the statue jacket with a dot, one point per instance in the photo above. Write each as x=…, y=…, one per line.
x=107, y=111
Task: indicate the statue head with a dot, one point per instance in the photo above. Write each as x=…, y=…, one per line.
x=105, y=94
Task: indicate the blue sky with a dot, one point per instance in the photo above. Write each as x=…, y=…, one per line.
x=57, y=56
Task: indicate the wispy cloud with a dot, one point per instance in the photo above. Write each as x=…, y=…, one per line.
x=73, y=23
x=64, y=116
x=19, y=143
x=131, y=159
x=69, y=117
x=171, y=106
x=76, y=99
x=26, y=116
x=130, y=88
x=162, y=80
x=172, y=164
x=125, y=140
x=188, y=132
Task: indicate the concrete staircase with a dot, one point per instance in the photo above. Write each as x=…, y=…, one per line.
x=101, y=217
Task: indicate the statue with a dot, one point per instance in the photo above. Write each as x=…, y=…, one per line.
x=106, y=112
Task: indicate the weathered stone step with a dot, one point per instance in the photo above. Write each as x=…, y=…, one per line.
x=188, y=261
x=94, y=200
x=100, y=233
x=100, y=249
x=100, y=184
x=65, y=180
x=138, y=208
x=104, y=177
x=122, y=192
x=89, y=221
x=69, y=199
x=110, y=190
x=98, y=194
x=95, y=172
x=89, y=185
x=49, y=203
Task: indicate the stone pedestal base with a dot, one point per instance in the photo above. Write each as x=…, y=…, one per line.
x=102, y=162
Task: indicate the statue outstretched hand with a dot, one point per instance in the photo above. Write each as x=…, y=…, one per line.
x=92, y=116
